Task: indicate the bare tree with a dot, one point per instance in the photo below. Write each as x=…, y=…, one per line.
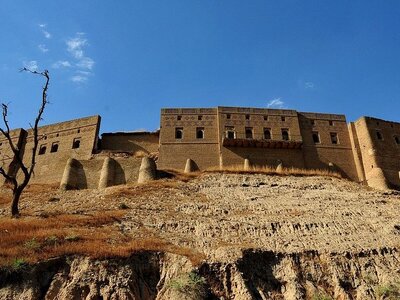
x=18, y=185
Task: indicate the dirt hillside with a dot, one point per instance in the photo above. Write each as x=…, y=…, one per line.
x=214, y=236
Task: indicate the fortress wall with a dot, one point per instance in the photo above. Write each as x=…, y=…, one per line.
x=261, y=157
x=135, y=142
x=257, y=119
x=175, y=151
x=50, y=165
x=356, y=152
x=174, y=156
x=318, y=155
x=378, y=152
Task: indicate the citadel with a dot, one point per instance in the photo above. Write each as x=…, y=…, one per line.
x=365, y=151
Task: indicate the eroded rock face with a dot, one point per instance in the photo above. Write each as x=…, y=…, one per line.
x=256, y=275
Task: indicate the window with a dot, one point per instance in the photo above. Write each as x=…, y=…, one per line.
x=78, y=131
x=42, y=149
x=267, y=133
x=200, y=133
x=397, y=140
x=315, y=136
x=230, y=132
x=285, y=134
x=54, y=147
x=179, y=118
x=57, y=135
x=199, y=118
x=312, y=122
x=228, y=116
x=249, y=133
x=379, y=135
x=283, y=119
x=179, y=133
x=265, y=118
x=76, y=144
x=334, y=138
x=330, y=123
x=247, y=117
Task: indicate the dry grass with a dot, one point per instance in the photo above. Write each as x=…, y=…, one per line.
x=143, y=189
x=239, y=169
x=97, y=236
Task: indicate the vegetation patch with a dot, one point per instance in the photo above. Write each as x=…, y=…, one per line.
x=189, y=283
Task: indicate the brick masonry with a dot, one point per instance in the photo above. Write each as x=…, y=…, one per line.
x=366, y=151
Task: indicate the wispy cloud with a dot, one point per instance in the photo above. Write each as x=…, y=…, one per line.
x=276, y=103
x=46, y=34
x=306, y=85
x=309, y=85
x=76, y=46
x=31, y=65
x=86, y=63
x=79, y=78
x=43, y=48
x=61, y=64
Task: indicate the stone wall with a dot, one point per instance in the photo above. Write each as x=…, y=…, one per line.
x=137, y=143
x=58, y=142
x=175, y=151
x=321, y=151
x=379, y=146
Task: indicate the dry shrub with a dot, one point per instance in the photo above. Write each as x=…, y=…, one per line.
x=94, y=235
x=268, y=170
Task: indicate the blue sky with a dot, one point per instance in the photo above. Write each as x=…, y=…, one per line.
x=125, y=60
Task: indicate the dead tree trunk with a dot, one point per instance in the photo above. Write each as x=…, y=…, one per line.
x=27, y=169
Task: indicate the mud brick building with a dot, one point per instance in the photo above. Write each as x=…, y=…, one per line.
x=365, y=151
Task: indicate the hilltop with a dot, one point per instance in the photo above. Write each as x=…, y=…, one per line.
x=210, y=235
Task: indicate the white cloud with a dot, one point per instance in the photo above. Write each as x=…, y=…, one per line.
x=31, y=65
x=86, y=63
x=75, y=46
x=276, y=103
x=79, y=78
x=86, y=73
x=46, y=34
x=43, y=48
x=308, y=85
x=61, y=64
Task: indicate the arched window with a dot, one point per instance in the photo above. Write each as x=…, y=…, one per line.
x=179, y=133
x=315, y=136
x=42, y=149
x=199, y=133
x=397, y=140
x=267, y=133
x=379, y=135
x=54, y=147
x=230, y=132
x=76, y=144
x=285, y=134
x=249, y=133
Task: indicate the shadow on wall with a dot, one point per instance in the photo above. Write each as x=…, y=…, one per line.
x=74, y=177
x=119, y=177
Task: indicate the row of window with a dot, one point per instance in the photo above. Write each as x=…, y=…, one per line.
x=230, y=133
x=333, y=135
x=380, y=137
x=54, y=146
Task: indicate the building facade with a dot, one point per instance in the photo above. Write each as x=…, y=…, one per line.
x=366, y=151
